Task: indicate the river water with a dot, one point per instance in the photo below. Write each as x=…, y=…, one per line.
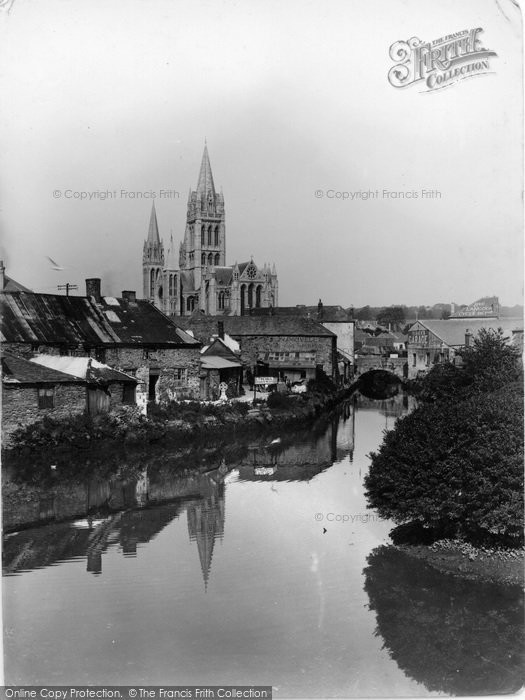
x=247, y=564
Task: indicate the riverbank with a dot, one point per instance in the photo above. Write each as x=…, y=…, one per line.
x=178, y=424
x=502, y=566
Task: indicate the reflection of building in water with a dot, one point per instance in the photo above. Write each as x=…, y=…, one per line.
x=300, y=460
x=346, y=432
x=44, y=546
x=393, y=407
x=205, y=525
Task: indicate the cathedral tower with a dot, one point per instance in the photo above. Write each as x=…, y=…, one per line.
x=204, y=244
x=153, y=262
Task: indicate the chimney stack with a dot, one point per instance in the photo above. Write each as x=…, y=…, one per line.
x=468, y=337
x=220, y=326
x=93, y=288
x=129, y=295
x=2, y=276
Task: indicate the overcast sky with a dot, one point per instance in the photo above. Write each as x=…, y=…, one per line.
x=293, y=97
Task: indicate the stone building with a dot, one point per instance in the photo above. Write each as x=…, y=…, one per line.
x=335, y=318
x=30, y=392
x=200, y=280
x=292, y=347
x=125, y=333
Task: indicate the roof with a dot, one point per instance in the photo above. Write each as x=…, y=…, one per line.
x=11, y=285
x=329, y=314
x=452, y=331
x=52, y=319
x=26, y=317
x=17, y=370
x=140, y=322
x=211, y=362
x=239, y=326
x=223, y=275
x=82, y=368
x=226, y=347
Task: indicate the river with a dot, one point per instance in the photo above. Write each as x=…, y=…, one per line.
x=249, y=564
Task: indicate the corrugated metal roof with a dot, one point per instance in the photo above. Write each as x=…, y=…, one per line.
x=26, y=317
x=53, y=319
x=213, y=362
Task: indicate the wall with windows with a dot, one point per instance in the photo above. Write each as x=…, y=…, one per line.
x=177, y=370
x=312, y=350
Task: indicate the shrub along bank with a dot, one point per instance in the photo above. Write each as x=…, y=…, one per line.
x=177, y=423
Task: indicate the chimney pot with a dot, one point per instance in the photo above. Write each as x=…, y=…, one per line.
x=93, y=288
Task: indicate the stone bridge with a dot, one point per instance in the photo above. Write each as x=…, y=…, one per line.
x=394, y=365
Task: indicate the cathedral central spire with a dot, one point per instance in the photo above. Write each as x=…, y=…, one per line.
x=205, y=184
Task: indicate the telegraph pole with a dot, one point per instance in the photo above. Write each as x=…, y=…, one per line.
x=67, y=287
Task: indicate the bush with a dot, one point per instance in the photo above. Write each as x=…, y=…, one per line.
x=278, y=400
x=456, y=467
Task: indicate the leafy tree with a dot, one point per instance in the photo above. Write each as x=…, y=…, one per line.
x=456, y=467
x=393, y=315
x=365, y=314
x=490, y=361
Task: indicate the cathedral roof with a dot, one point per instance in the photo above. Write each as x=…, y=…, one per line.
x=205, y=183
x=223, y=275
x=153, y=231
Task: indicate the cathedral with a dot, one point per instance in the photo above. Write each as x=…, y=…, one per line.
x=200, y=280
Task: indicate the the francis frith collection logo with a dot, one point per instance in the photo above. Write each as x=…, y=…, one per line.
x=441, y=62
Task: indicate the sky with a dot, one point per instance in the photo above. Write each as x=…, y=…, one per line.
x=294, y=101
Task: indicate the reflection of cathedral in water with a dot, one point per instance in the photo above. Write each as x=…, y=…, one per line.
x=205, y=525
x=128, y=513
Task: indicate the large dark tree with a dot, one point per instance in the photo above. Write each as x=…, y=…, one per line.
x=455, y=465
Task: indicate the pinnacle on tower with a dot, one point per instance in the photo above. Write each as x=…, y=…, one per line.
x=153, y=231
x=205, y=183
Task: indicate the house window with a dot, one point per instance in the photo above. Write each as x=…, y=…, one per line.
x=128, y=394
x=179, y=376
x=46, y=398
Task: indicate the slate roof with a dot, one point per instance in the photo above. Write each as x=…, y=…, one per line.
x=452, y=331
x=223, y=275
x=139, y=322
x=52, y=319
x=329, y=314
x=11, y=285
x=17, y=370
x=239, y=326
